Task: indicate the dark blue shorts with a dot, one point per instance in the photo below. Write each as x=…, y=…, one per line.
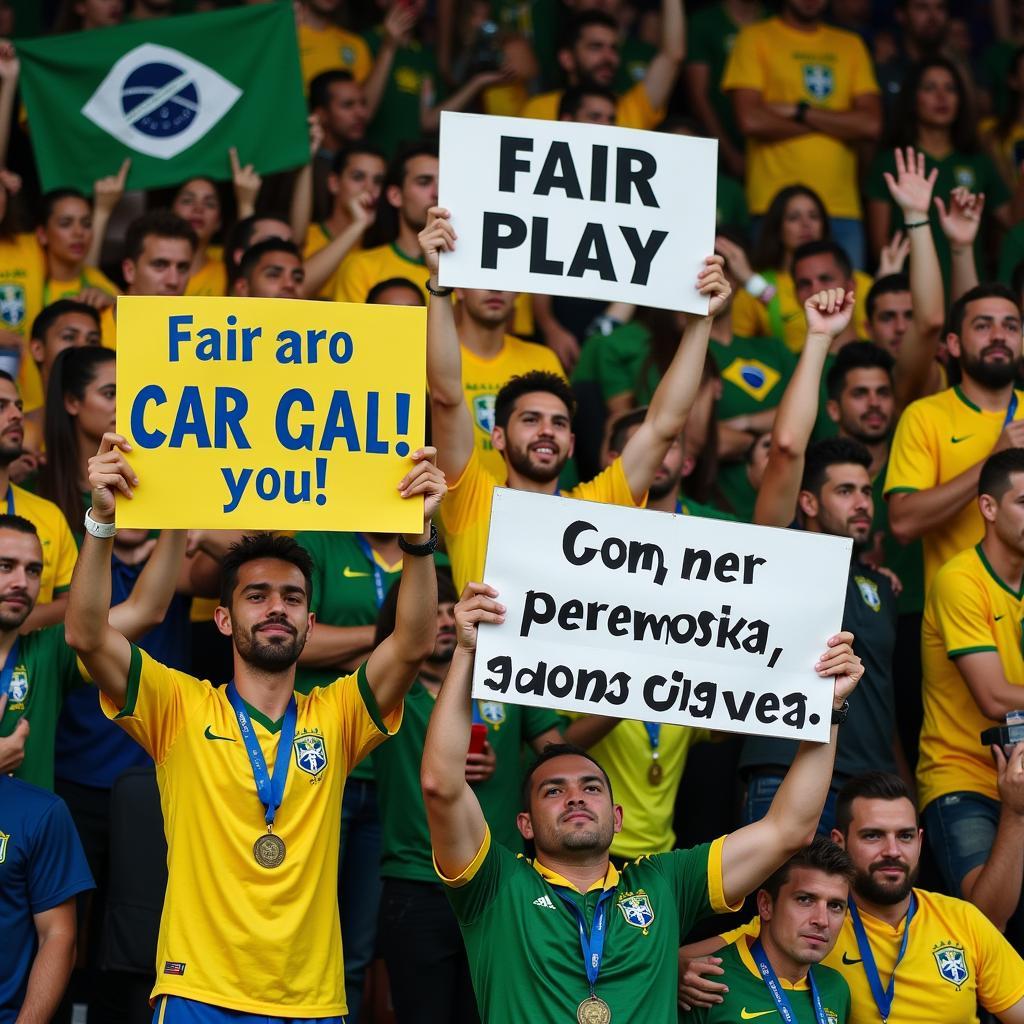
x=176, y=1010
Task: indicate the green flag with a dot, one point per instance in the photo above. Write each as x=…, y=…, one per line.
x=173, y=94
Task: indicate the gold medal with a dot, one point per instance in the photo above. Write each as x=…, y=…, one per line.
x=654, y=773
x=593, y=1010
x=269, y=850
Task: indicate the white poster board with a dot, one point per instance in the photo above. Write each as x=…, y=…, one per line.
x=660, y=618
x=584, y=210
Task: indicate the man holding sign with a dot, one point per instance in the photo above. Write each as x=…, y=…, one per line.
x=251, y=914
x=525, y=924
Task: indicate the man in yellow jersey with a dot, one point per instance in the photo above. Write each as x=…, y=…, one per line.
x=524, y=922
x=908, y=955
x=271, y=269
x=158, y=251
x=805, y=95
x=532, y=428
x=323, y=44
x=589, y=55
x=942, y=440
x=410, y=191
x=338, y=102
x=251, y=776
x=973, y=678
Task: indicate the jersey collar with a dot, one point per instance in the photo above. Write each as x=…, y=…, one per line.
x=610, y=880
x=748, y=962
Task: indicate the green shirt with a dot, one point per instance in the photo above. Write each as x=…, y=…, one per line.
x=634, y=58
x=523, y=943
x=689, y=507
x=749, y=997
x=1011, y=253
x=712, y=34
x=45, y=670
x=731, y=207
x=405, y=837
x=754, y=372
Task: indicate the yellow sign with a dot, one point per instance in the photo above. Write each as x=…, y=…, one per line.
x=270, y=414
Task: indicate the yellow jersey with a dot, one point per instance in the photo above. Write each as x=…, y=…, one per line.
x=936, y=439
x=784, y=317
x=108, y=327
x=22, y=275
x=213, y=278
x=232, y=933
x=633, y=109
x=331, y=48
x=482, y=379
x=317, y=238
x=828, y=68
x=955, y=959
x=59, y=549
x=361, y=270
x=969, y=609
x=466, y=512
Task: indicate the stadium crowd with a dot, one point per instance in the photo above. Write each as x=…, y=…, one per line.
x=860, y=373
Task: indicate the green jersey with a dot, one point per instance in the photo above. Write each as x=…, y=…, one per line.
x=749, y=997
x=45, y=669
x=405, y=837
x=523, y=942
x=712, y=33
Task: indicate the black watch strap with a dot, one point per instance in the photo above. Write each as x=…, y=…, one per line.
x=801, y=112
x=420, y=550
x=839, y=714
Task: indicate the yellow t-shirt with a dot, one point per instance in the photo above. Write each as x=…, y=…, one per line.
x=213, y=278
x=633, y=109
x=317, y=238
x=360, y=271
x=945, y=935
x=22, y=275
x=330, y=48
x=108, y=328
x=784, y=318
x=482, y=379
x=59, y=549
x=969, y=609
x=827, y=68
x=466, y=512
x=625, y=754
x=245, y=937
x=936, y=439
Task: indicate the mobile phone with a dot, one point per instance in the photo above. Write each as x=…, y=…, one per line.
x=477, y=738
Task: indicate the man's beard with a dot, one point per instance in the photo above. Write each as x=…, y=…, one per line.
x=989, y=375
x=10, y=452
x=865, y=436
x=659, y=489
x=866, y=887
x=520, y=461
x=268, y=656
x=16, y=620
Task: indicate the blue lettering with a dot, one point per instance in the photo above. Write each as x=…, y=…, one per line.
x=140, y=435
x=304, y=438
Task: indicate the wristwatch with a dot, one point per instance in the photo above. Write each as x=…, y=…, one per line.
x=839, y=714
x=439, y=292
x=420, y=550
x=102, y=530
x=800, y=114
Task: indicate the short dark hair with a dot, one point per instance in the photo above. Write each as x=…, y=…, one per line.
x=622, y=426
x=551, y=751
x=400, y=163
x=55, y=310
x=17, y=523
x=162, y=224
x=858, y=355
x=823, y=247
x=573, y=97
x=581, y=22
x=833, y=451
x=997, y=469
x=374, y=294
x=252, y=256
x=526, y=383
x=320, y=86
x=263, y=545
x=822, y=855
x=446, y=594
x=351, y=149
x=54, y=196
x=990, y=290
x=868, y=786
x=889, y=284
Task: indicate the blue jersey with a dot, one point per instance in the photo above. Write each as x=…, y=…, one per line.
x=42, y=864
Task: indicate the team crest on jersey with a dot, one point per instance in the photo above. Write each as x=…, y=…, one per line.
x=4, y=837
x=831, y=1016
x=964, y=175
x=819, y=81
x=752, y=376
x=869, y=592
x=483, y=412
x=492, y=712
x=310, y=753
x=17, y=690
x=636, y=909
x=951, y=962
x=12, y=304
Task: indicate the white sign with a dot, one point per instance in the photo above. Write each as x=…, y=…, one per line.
x=577, y=209
x=661, y=618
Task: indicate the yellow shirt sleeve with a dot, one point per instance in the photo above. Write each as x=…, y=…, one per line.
x=362, y=726
x=749, y=317
x=363, y=64
x=543, y=107
x=745, y=69
x=751, y=928
x=1000, y=968
x=634, y=110
x=351, y=277
x=610, y=487
x=913, y=459
x=962, y=614
x=469, y=498
x=66, y=554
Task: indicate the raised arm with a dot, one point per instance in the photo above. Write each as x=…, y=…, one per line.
x=457, y=825
x=660, y=79
x=677, y=390
x=392, y=667
x=326, y=261
x=828, y=315
x=451, y=422
x=398, y=26
x=300, y=210
x=246, y=183
x=960, y=224
x=9, y=70
x=147, y=604
x=106, y=194
x=752, y=853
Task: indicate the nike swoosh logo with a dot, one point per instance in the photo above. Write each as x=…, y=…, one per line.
x=957, y=440
x=212, y=736
x=745, y=1014
x=848, y=961
x=998, y=617
x=351, y=574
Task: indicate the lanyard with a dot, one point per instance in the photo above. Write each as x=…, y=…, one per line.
x=679, y=507
x=654, y=735
x=592, y=945
x=883, y=999
x=779, y=996
x=270, y=791
x=1011, y=409
x=8, y=670
x=10, y=500
x=378, y=572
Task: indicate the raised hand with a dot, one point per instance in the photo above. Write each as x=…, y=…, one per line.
x=110, y=474
x=437, y=237
x=478, y=604
x=961, y=221
x=107, y=192
x=711, y=281
x=9, y=65
x=911, y=189
x=246, y=183
x=362, y=209
x=426, y=479
x=735, y=259
x=893, y=256
x=841, y=664
x=829, y=312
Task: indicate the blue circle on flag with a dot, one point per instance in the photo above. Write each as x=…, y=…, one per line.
x=753, y=376
x=160, y=100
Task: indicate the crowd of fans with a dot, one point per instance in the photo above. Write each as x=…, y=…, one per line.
x=863, y=355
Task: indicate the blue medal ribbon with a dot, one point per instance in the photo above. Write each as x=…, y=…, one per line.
x=1011, y=409
x=679, y=507
x=270, y=790
x=592, y=943
x=781, y=1000
x=883, y=998
x=8, y=670
x=378, y=572
x=10, y=501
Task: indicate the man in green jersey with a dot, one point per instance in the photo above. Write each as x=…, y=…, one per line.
x=536, y=931
x=801, y=907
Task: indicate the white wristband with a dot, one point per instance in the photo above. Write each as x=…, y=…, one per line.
x=102, y=530
x=756, y=285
